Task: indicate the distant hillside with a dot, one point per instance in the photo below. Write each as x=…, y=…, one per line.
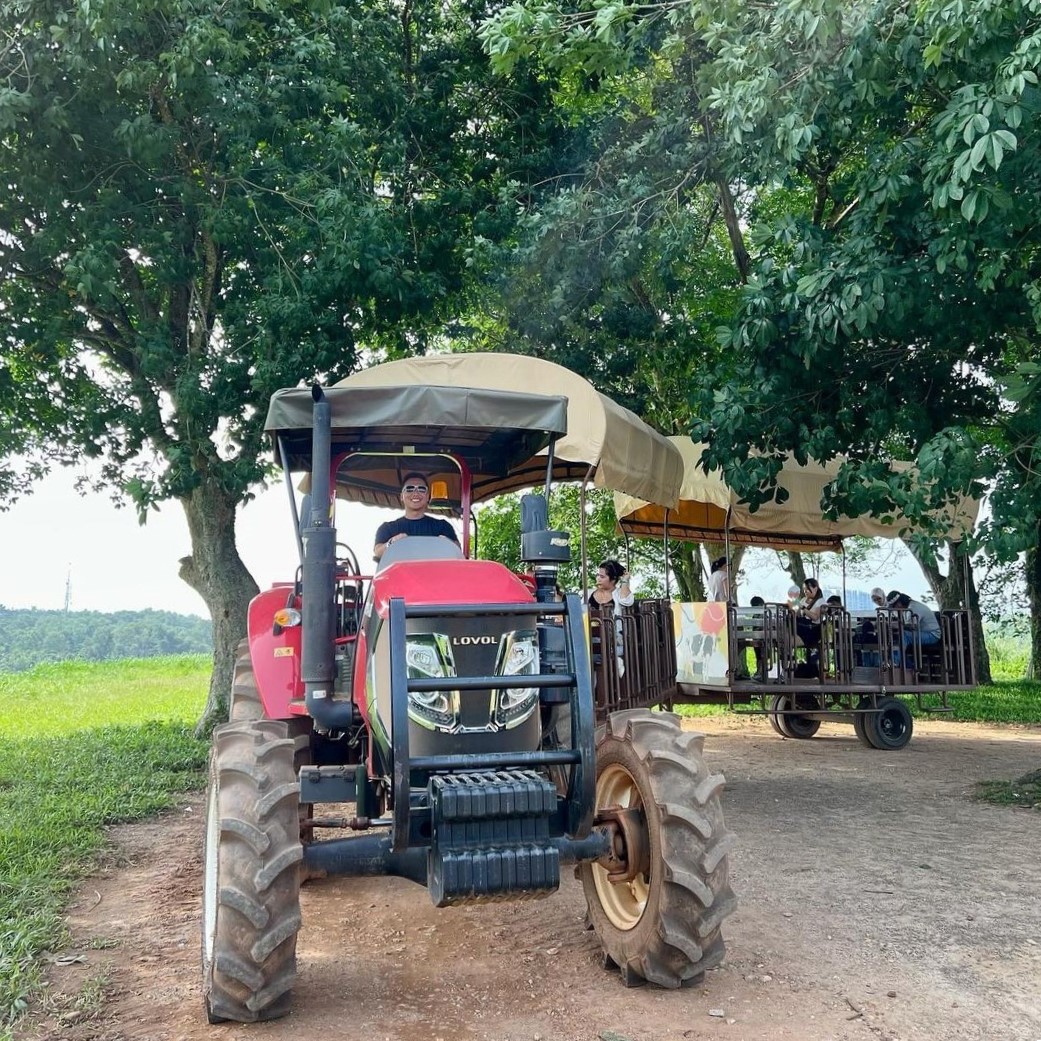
x=30, y=637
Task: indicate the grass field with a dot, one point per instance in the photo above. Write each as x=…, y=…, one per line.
x=84, y=746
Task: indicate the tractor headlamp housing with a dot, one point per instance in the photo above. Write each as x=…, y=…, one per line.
x=518, y=656
x=429, y=656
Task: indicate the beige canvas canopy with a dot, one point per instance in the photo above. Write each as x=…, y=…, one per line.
x=709, y=510
x=603, y=440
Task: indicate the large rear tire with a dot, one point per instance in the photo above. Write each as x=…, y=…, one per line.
x=245, y=704
x=251, y=882
x=663, y=925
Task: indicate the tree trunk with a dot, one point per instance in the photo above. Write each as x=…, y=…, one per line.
x=796, y=568
x=216, y=572
x=686, y=566
x=954, y=592
x=1033, y=580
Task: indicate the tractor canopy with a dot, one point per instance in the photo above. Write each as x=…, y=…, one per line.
x=604, y=442
x=386, y=431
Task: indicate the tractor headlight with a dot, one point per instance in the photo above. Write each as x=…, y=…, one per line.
x=518, y=656
x=429, y=656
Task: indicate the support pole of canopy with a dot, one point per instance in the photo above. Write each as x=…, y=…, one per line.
x=582, y=531
x=288, y=477
x=668, y=593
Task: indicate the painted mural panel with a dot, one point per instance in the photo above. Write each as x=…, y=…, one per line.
x=701, y=642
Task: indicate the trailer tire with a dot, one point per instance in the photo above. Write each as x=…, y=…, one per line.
x=891, y=727
x=251, y=877
x=778, y=701
x=798, y=727
x=245, y=703
x=860, y=723
x=663, y=926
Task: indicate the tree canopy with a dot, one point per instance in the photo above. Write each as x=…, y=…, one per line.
x=205, y=203
x=883, y=161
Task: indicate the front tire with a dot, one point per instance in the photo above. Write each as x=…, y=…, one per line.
x=251, y=890
x=664, y=924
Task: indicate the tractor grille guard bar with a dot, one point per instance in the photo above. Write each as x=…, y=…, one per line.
x=480, y=610
x=557, y=679
x=581, y=795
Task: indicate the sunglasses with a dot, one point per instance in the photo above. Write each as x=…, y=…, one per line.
x=410, y=488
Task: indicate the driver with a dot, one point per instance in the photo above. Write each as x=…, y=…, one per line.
x=415, y=497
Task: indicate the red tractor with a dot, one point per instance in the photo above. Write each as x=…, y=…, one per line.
x=447, y=710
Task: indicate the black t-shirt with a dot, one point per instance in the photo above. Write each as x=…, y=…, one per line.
x=425, y=525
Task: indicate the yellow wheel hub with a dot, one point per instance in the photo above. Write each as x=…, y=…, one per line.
x=622, y=902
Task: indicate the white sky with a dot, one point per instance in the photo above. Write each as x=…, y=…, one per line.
x=114, y=564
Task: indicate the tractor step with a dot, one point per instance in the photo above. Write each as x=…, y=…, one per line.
x=491, y=837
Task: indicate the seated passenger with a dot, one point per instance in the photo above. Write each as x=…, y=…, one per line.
x=834, y=601
x=808, y=614
x=926, y=622
x=415, y=498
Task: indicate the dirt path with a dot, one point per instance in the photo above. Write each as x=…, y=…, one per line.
x=878, y=901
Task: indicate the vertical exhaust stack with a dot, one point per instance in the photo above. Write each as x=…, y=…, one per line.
x=318, y=664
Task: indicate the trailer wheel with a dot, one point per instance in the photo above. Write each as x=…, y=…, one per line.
x=891, y=727
x=799, y=727
x=659, y=918
x=251, y=879
x=777, y=702
x=860, y=723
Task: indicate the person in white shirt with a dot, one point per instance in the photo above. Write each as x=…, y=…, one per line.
x=719, y=580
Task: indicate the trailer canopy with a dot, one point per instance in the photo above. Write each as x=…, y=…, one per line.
x=709, y=510
x=603, y=440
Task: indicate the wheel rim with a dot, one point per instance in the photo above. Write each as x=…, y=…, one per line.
x=892, y=725
x=623, y=902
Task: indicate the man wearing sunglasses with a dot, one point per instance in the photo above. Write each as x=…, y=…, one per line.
x=415, y=497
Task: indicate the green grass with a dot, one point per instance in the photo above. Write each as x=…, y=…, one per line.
x=82, y=746
x=59, y=698
x=1023, y=791
x=1009, y=701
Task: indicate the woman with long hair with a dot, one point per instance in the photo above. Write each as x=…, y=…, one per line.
x=808, y=613
x=612, y=589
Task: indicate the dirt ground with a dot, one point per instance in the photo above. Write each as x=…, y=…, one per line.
x=877, y=901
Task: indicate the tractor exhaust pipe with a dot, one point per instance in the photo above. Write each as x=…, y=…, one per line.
x=318, y=661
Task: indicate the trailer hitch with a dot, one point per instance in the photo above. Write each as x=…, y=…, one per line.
x=629, y=852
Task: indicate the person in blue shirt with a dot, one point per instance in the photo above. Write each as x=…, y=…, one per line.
x=415, y=498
